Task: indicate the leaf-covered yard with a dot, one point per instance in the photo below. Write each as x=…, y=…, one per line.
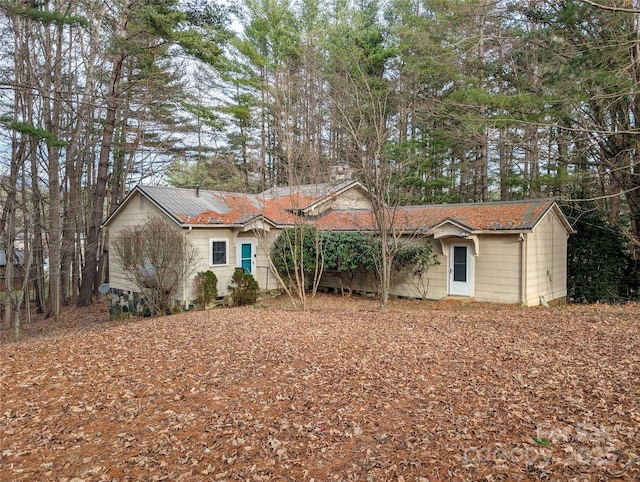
x=422, y=391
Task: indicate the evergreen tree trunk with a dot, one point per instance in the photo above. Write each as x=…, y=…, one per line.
x=93, y=242
x=37, y=204
x=51, y=92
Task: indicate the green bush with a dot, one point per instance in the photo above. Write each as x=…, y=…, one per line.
x=206, y=287
x=600, y=267
x=347, y=252
x=415, y=259
x=244, y=288
x=295, y=248
x=344, y=254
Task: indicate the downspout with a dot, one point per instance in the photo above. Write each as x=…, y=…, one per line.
x=184, y=281
x=553, y=265
x=523, y=269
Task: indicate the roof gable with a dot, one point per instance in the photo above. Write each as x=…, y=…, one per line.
x=306, y=198
x=450, y=227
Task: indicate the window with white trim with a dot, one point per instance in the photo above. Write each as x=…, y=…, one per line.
x=219, y=250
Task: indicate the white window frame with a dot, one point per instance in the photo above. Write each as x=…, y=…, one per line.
x=226, y=247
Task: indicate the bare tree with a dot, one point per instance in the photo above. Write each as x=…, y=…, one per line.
x=300, y=172
x=158, y=258
x=297, y=262
x=362, y=108
x=300, y=165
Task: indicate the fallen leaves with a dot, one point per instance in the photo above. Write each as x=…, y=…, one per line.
x=344, y=392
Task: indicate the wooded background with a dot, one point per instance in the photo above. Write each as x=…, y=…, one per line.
x=436, y=101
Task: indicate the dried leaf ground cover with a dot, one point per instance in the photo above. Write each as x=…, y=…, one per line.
x=420, y=392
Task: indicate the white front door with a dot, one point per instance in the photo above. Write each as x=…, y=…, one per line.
x=460, y=270
x=247, y=255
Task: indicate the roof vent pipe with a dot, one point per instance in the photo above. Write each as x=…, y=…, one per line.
x=197, y=190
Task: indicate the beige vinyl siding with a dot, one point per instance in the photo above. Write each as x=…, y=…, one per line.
x=263, y=273
x=202, y=237
x=546, y=261
x=135, y=213
x=498, y=268
x=432, y=285
x=353, y=198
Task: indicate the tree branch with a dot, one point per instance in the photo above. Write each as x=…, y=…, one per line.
x=610, y=8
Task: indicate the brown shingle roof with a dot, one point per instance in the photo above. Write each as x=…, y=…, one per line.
x=498, y=216
x=279, y=205
x=492, y=217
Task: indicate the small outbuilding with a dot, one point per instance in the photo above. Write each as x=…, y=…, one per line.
x=17, y=260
